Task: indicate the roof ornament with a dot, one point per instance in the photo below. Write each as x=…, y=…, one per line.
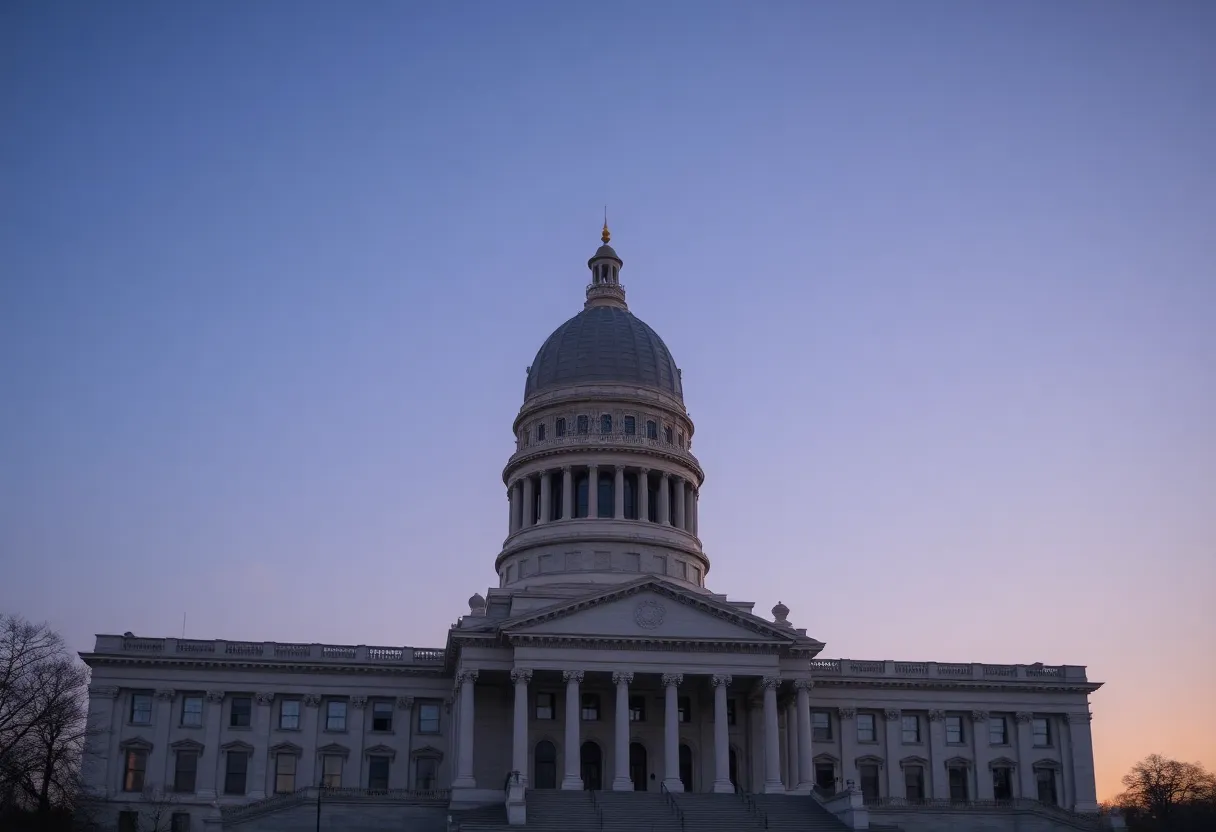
x=606, y=235
x=781, y=614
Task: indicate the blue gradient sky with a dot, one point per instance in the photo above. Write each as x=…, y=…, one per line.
x=939, y=275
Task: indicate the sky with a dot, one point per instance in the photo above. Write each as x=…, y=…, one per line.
x=940, y=277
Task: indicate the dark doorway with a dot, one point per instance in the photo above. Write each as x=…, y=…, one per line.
x=637, y=766
x=591, y=762
x=686, y=767
x=545, y=775
x=733, y=762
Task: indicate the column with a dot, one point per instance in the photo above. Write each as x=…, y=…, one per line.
x=983, y=754
x=261, y=745
x=1027, y=787
x=772, y=737
x=529, y=506
x=671, y=732
x=806, y=766
x=722, y=784
x=158, y=760
x=512, y=510
x=95, y=762
x=791, y=743
x=306, y=766
x=679, y=521
x=1080, y=737
x=618, y=492
x=664, y=499
x=209, y=761
x=546, y=496
x=464, y=754
x=402, y=776
x=621, y=781
x=519, y=747
x=696, y=511
x=644, y=494
x=573, y=779
x=937, y=785
x=894, y=745
x=352, y=774
x=593, y=491
x=567, y=493
x=848, y=748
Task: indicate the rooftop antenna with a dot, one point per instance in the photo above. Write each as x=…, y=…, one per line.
x=606, y=235
x=183, y=625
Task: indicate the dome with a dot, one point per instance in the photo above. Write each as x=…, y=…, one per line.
x=606, y=344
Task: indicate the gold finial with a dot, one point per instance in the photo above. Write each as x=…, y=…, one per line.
x=606, y=235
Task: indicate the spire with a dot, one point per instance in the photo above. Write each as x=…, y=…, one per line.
x=605, y=288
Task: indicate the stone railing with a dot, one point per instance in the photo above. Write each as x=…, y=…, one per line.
x=309, y=794
x=263, y=650
x=1024, y=804
x=621, y=440
x=853, y=668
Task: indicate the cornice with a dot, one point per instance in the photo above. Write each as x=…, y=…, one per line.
x=644, y=643
x=532, y=453
x=601, y=529
x=966, y=684
x=596, y=393
x=106, y=659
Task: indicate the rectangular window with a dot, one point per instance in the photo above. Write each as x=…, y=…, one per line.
x=667, y=435
x=591, y=707
x=331, y=771
x=289, y=714
x=335, y=715
x=544, y=706
x=954, y=729
x=958, y=784
x=141, y=709
x=425, y=772
x=179, y=822
x=911, y=728
x=825, y=777
x=428, y=718
x=1045, y=779
x=560, y=427
x=652, y=430
x=237, y=766
x=377, y=773
x=128, y=821
x=821, y=726
x=914, y=783
x=637, y=709
x=865, y=728
x=631, y=426
x=1041, y=729
x=684, y=709
x=382, y=716
x=1002, y=784
x=583, y=425
x=133, y=777
x=997, y=734
x=192, y=711
x=241, y=715
x=681, y=439
x=540, y=433
x=284, y=773
x=606, y=423
x=869, y=781
x=185, y=769
x=731, y=712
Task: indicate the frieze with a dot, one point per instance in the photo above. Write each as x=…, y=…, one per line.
x=103, y=692
x=673, y=680
x=622, y=677
x=521, y=675
x=649, y=644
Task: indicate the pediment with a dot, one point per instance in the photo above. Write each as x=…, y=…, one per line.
x=286, y=748
x=135, y=744
x=333, y=749
x=648, y=609
x=237, y=745
x=913, y=761
x=426, y=751
x=826, y=758
x=869, y=759
x=958, y=762
x=380, y=751
x=187, y=745
x=1003, y=762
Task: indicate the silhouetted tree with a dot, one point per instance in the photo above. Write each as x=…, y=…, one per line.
x=1165, y=795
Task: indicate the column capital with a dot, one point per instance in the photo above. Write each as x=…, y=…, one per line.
x=466, y=676
x=979, y=716
x=673, y=680
x=892, y=714
x=622, y=677
x=359, y=702
x=1023, y=716
x=103, y=692
x=566, y=469
x=721, y=680
x=312, y=700
x=166, y=695
x=521, y=674
x=266, y=698
x=665, y=475
x=405, y=702
x=846, y=713
x=572, y=676
x=936, y=714
x=644, y=471
x=1079, y=718
x=544, y=472
x=770, y=682
x=804, y=684
x=217, y=696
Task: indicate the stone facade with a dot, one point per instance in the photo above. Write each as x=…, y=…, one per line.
x=600, y=660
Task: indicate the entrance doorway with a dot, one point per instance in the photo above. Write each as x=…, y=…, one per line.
x=545, y=774
x=591, y=763
x=733, y=762
x=686, y=767
x=637, y=766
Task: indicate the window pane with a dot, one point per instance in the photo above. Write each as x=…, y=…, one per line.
x=192, y=711
x=637, y=709
x=544, y=706
x=914, y=783
x=137, y=763
x=911, y=729
x=821, y=726
x=996, y=730
x=234, y=772
x=958, y=784
x=377, y=773
x=332, y=771
x=865, y=727
x=428, y=718
x=652, y=430
x=335, y=716
x=605, y=424
x=289, y=714
x=382, y=716
x=242, y=711
x=631, y=426
x=185, y=767
x=954, y=729
x=684, y=709
x=424, y=773
x=591, y=707
x=285, y=773
x=582, y=424
x=141, y=708
x=1042, y=731
x=560, y=427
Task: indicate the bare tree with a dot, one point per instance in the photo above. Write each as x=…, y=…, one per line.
x=155, y=810
x=1165, y=794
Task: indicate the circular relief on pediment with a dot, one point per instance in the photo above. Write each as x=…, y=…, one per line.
x=649, y=614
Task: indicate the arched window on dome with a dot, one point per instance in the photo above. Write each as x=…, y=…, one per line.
x=580, y=494
x=631, y=426
x=606, y=423
x=652, y=429
x=540, y=433
x=583, y=425
x=667, y=434
x=607, y=501
x=560, y=428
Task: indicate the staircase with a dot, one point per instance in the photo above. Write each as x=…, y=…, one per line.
x=548, y=811
x=796, y=813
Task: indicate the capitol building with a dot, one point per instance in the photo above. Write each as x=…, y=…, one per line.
x=601, y=683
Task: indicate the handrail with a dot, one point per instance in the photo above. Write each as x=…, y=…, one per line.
x=752, y=806
x=671, y=799
x=512, y=776
x=595, y=804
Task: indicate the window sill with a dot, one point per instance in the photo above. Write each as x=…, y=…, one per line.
x=867, y=742
x=1042, y=746
x=422, y=733
x=383, y=732
x=139, y=724
x=190, y=727
x=334, y=731
x=240, y=727
x=288, y=730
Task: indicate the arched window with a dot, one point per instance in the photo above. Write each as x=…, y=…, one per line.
x=544, y=775
x=560, y=427
x=631, y=426
x=540, y=433
x=686, y=767
x=607, y=504
x=606, y=423
x=591, y=765
x=667, y=434
x=652, y=429
x=582, y=425
x=580, y=495
x=637, y=766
